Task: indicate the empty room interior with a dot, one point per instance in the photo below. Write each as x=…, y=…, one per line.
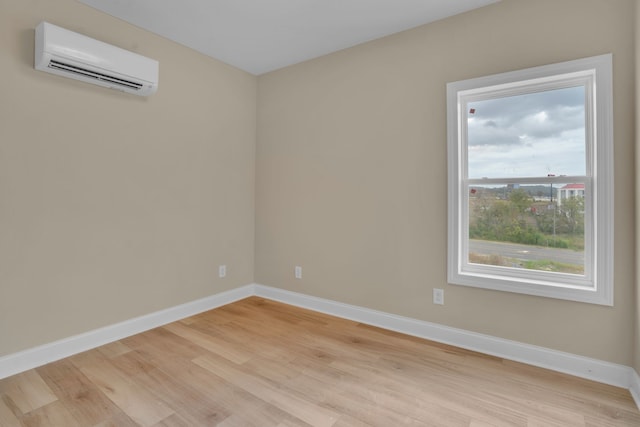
x=260, y=246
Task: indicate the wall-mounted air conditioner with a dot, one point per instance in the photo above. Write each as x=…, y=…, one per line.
x=65, y=53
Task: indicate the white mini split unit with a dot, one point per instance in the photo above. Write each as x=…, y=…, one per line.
x=65, y=53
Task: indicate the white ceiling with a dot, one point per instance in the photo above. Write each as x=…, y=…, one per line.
x=263, y=35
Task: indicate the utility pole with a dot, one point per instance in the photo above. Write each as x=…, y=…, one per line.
x=552, y=206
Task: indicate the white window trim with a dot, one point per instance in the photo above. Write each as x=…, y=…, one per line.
x=597, y=285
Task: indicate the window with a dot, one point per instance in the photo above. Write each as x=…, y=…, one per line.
x=531, y=181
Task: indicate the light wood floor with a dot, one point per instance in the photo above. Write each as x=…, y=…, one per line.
x=262, y=363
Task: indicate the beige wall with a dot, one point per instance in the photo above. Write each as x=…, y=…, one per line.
x=351, y=171
x=636, y=322
x=113, y=205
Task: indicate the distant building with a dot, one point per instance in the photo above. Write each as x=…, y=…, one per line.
x=569, y=191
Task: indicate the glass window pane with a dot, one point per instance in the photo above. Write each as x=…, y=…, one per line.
x=529, y=135
x=534, y=227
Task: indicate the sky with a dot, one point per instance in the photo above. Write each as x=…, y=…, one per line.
x=530, y=135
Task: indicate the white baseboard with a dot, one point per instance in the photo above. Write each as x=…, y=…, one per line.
x=32, y=358
x=634, y=387
x=579, y=366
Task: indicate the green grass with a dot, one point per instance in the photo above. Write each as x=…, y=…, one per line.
x=539, y=265
x=556, y=267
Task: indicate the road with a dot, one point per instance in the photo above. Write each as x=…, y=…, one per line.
x=526, y=252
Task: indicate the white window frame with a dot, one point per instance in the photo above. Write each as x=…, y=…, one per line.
x=596, y=286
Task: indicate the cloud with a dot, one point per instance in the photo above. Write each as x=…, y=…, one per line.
x=528, y=135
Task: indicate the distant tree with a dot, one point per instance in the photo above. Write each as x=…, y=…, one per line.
x=521, y=200
x=503, y=220
x=545, y=220
x=572, y=215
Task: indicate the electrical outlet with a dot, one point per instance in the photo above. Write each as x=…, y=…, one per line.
x=438, y=296
x=298, y=272
x=222, y=271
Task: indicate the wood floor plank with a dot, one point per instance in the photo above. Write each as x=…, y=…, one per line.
x=355, y=401
x=260, y=363
x=28, y=391
x=441, y=390
x=77, y=393
x=189, y=405
x=210, y=343
x=120, y=420
x=53, y=414
x=114, y=349
x=7, y=417
x=135, y=400
x=173, y=420
x=288, y=402
x=244, y=407
x=252, y=340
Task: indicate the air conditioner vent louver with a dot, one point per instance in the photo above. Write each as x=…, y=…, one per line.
x=68, y=54
x=92, y=74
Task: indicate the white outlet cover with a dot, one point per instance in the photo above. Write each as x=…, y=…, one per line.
x=438, y=296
